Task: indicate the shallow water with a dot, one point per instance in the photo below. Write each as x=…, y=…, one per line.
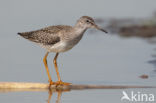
x=84, y=96
x=98, y=59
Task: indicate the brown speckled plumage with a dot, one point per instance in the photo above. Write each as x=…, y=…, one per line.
x=47, y=36
x=58, y=39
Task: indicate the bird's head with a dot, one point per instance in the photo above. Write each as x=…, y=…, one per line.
x=88, y=22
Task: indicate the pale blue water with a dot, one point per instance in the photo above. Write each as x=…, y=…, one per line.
x=97, y=59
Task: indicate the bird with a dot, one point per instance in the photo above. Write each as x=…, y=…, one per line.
x=59, y=39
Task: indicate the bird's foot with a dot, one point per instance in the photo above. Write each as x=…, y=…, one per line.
x=62, y=83
x=51, y=83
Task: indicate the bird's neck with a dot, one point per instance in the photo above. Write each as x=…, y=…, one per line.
x=79, y=29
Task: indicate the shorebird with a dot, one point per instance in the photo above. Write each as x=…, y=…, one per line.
x=58, y=39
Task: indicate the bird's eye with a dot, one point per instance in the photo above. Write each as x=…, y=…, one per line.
x=87, y=21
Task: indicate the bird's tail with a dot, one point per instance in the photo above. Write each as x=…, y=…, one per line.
x=24, y=35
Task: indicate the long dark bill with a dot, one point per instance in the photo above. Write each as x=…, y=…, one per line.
x=97, y=27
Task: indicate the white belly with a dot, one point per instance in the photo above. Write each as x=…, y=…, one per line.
x=58, y=47
x=62, y=46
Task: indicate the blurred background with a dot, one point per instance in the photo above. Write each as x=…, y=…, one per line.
x=126, y=55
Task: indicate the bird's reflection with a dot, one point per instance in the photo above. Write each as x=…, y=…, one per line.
x=59, y=94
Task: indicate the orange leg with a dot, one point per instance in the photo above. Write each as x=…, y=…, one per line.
x=46, y=66
x=59, y=82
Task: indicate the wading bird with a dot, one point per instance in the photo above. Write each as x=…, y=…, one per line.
x=60, y=38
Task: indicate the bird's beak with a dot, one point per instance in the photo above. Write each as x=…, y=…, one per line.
x=97, y=27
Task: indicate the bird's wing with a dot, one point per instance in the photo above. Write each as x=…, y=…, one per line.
x=48, y=35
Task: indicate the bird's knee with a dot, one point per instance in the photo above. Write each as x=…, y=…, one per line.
x=54, y=61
